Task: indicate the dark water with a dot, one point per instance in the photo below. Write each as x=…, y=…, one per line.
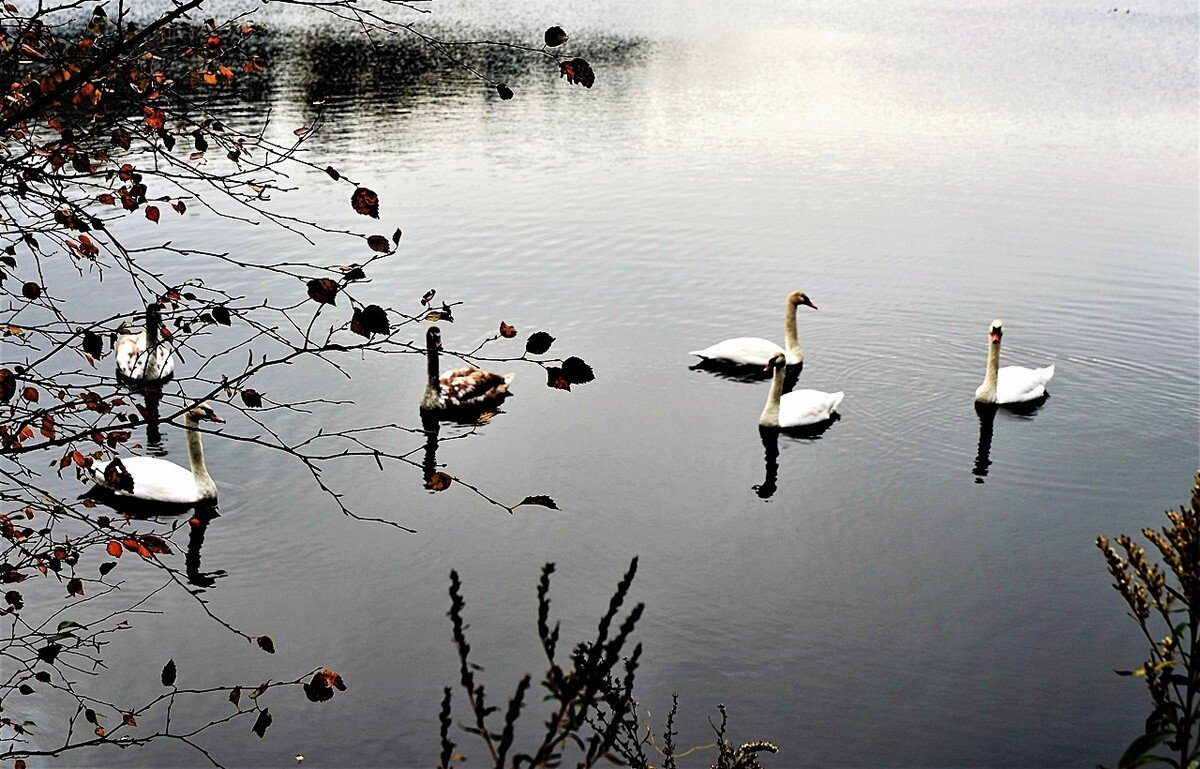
x=918, y=169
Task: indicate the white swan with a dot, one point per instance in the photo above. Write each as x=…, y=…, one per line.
x=144, y=356
x=754, y=351
x=462, y=389
x=798, y=408
x=158, y=480
x=1011, y=384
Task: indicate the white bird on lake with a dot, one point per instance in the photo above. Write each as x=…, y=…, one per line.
x=144, y=356
x=1011, y=384
x=159, y=480
x=799, y=408
x=755, y=351
x=462, y=389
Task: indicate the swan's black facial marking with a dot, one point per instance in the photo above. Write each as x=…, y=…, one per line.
x=996, y=334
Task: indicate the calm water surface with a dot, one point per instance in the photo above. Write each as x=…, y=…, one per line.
x=919, y=169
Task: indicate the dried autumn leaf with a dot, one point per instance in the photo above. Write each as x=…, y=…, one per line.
x=323, y=290
x=155, y=118
x=320, y=688
x=333, y=173
x=8, y=385
x=106, y=567
x=179, y=206
x=379, y=243
x=538, y=499
x=504, y=91
x=262, y=722
x=365, y=202
x=155, y=544
x=152, y=213
x=31, y=291
x=235, y=696
x=252, y=398
x=369, y=320
x=538, y=343
x=114, y=548
x=93, y=345
x=577, y=71
x=48, y=428
x=439, y=481
x=221, y=315
x=168, y=673
x=74, y=586
x=396, y=236
x=266, y=644
x=555, y=36
x=30, y=394
x=557, y=379
x=507, y=331
x=117, y=477
x=428, y=297
x=576, y=371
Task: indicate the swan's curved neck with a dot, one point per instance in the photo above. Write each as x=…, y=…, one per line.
x=152, y=321
x=431, y=360
x=789, y=334
x=770, y=413
x=204, y=481
x=987, y=390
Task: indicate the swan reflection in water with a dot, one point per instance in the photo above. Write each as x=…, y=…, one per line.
x=431, y=424
x=987, y=418
x=749, y=374
x=770, y=442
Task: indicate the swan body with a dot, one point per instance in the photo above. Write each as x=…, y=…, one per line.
x=159, y=480
x=755, y=351
x=1010, y=384
x=799, y=408
x=144, y=356
x=462, y=389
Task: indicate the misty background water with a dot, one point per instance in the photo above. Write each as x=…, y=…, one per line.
x=918, y=168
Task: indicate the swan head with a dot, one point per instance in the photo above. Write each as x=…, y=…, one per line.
x=996, y=331
x=433, y=338
x=797, y=298
x=201, y=412
x=777, y=361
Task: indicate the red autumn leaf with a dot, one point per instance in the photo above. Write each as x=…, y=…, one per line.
x=323, y=290
x=152, y=213
x=365, y=202
x=155, y=544
x=30, y=394
x=155, y=118
x=48, y=430
x=507, y=331
x=179, y=207
x=320, y=687
x=128, y=719
x=107, y=199
x=114, y=548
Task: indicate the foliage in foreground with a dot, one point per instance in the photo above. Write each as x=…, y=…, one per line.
x=593, y=716
x=1165, y=604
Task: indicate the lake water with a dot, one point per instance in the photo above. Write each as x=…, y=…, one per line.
x=918, y=168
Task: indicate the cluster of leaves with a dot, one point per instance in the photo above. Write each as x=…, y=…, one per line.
x=1165, y=603
x=113, y=127
x=593, y=714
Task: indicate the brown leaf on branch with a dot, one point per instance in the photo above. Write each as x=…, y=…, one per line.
x=156, y=120
x=577, y=71
x=538, y=343
x=365, y=202
x=152, y=213
x=576, y=371
x=538, y=499
x=379, y=243
x=507, y=331
x=323, y=290
x=262, y=722
x=439, y=481
x=252, y=398
x=8, y=385
x=369, y=320
x=320, y=688
x=557, y=379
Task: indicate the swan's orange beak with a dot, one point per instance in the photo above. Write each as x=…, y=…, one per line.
x=996, y=337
